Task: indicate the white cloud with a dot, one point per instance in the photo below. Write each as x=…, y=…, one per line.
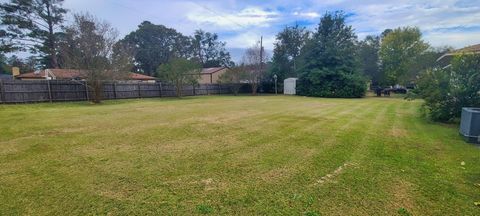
x=439, y=20
x=241, y=23
x=455, y=39
x=248, y=17
x=307, y=14
x=248, y=39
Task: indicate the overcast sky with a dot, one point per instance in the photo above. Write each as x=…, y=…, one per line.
x=241, y=22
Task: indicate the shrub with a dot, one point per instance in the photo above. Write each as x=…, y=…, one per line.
x=329, y=83
x=447, y=90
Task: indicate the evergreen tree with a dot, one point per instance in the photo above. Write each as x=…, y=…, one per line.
x=329, y=66
x=32, y=25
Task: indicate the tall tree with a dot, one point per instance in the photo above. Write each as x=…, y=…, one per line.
x=32, y=25
x=89, y=46
x=155, y=45
x=180, y=72
x=254, y=60
x=209, y=51
x=399, y=50
x=368, y=50
x=329, y=67
x=288, y=45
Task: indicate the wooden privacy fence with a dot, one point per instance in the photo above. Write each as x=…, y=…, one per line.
x=26, y=91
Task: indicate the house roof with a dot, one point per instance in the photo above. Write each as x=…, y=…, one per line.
x=137, y=76
x=469, y=49
x=211, y=70
x=72, y=74
x=466, y=50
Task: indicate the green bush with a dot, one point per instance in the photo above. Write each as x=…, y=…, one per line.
x=329, y=83
x=447, y=90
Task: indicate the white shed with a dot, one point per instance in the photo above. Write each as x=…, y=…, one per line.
x=289, y=86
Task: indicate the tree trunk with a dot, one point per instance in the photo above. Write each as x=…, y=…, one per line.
x=51, y=39
x=97, y=91
x=178, y=88
x=254, y=88
x=236, y=89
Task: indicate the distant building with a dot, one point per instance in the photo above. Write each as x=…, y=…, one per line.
x=211, y=75
x=290, y=86
x=71, y=74
x=444, y=60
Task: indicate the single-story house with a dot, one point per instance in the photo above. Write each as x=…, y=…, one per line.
x=211, y=75
x=445, y=59
x=72, y=74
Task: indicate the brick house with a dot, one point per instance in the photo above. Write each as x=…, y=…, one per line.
x=211, y=75
x=71, y=74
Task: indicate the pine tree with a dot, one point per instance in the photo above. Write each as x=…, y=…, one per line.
x=32, y=25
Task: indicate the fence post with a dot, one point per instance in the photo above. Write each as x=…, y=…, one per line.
x=139, y=93
x=2, y=92
x=206, y=87
x=86, y=90
x=161, y=91
x=49, y=91
x=194, y=93
x=114, y=90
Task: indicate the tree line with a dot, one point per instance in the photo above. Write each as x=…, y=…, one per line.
x=93, y=45
x=332, y=62
x=329, y=62
x=39, y=27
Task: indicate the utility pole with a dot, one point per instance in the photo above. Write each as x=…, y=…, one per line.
x=261, y=52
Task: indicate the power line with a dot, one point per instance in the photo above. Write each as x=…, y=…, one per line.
x=219, y=14
x=132, y=8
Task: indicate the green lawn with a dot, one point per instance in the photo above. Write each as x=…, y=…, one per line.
x=263, y=155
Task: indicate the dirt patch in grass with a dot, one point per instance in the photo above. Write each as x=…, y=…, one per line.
x=402, y=196
x=278, y=174
x=330, y=177
x=398, y=132
x=212, y=184
x=121, y=188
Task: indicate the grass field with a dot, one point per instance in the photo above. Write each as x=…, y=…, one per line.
x=263, y=155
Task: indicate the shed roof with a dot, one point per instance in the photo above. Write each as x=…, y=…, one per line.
x=211, y=70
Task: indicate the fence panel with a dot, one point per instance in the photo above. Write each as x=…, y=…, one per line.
x=126, y=90
x=149, y=90
x=26, y=91
x=66, y=90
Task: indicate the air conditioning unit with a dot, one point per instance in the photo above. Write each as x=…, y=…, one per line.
x=470, y=124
